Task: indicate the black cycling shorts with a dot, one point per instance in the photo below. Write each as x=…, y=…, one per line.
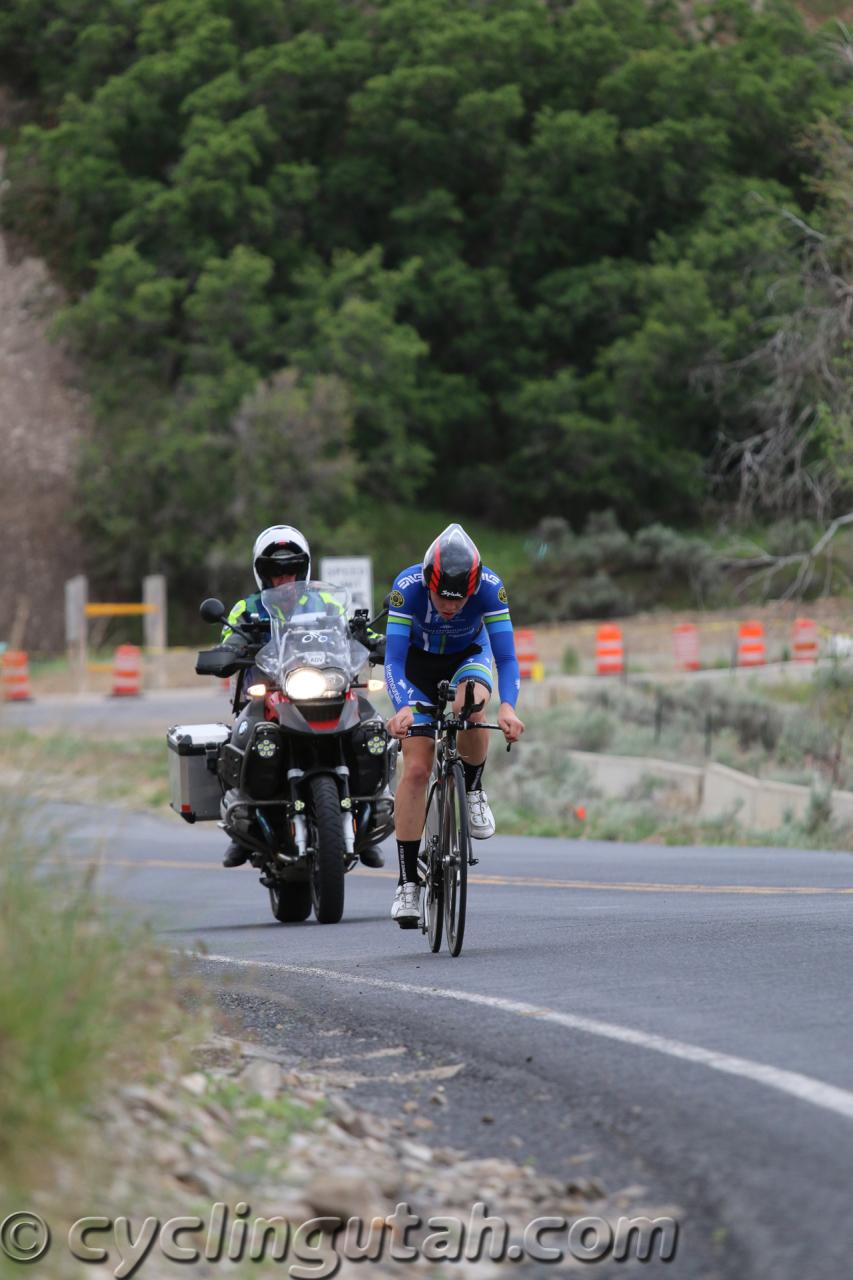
x=425, y=672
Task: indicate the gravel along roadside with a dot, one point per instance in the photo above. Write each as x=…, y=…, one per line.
x=250, y=1152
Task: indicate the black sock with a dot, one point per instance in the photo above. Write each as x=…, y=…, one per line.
x=407, y=852
x=473, y=775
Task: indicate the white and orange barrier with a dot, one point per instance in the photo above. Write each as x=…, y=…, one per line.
x=751, y=651
x=529, y=663
x=127, y=672
x=609, y=651
x=806, y=647
x=685, y=637
x=15, y=676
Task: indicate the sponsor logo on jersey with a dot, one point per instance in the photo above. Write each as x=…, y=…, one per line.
x=397, y=599
x=502, y=595
x=409, y=580
x=491, y=577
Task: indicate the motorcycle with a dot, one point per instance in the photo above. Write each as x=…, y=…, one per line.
x=305, y=776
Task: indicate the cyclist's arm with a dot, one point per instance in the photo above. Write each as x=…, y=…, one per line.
x=397, y=639
x=499, y=627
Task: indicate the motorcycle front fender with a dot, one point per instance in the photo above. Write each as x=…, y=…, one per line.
x=298, y=718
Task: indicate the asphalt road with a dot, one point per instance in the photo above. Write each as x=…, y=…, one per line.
x=151, y=713
x=674, y=1018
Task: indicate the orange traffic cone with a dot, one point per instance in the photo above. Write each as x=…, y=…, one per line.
x=609, y=651
x=686, y=639
x=127, y=678
x=16, y=676
x=529, y=666
x=805, y=640
x=750, y=645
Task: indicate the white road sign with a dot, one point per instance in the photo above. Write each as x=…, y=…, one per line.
x=355, y=573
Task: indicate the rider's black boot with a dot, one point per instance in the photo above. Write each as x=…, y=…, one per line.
x=235, y=855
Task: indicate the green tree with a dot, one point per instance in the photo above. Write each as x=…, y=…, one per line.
x=295, y=434
x=344, y=324
x=540, y=245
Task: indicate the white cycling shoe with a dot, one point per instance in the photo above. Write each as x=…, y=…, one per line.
x=481, y=822
x=406, y=907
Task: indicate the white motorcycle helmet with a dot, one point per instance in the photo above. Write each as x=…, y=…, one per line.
x=280, y=549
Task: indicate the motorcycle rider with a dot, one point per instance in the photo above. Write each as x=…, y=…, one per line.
x=280, y=556
x=446, y=618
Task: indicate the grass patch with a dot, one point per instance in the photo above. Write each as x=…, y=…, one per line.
x=84, y=1000
x=538, y=789
x=129, y=771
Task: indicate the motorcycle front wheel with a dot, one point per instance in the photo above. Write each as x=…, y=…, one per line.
x=327, y=872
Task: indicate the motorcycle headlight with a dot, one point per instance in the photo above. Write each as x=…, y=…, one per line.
x=305, y=683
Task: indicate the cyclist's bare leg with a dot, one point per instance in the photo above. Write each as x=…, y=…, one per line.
x=410, y=797
x=473, y=744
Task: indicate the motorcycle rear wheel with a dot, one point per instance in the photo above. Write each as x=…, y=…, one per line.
x=291, y=903
x=327, y=873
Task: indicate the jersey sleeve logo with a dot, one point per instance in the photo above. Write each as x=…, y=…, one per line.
x=397, y=599
x=502, y=595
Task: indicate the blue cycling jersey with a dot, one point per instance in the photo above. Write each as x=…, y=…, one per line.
x=414, y=623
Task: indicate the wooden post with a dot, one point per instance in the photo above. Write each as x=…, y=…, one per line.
x=155, y=625
x=76, y=599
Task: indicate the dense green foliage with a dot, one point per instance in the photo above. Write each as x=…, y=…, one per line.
x=476, y=255
x=606, y=572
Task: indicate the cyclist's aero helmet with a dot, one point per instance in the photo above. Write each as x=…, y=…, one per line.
x=280, y=549
x=452, y=565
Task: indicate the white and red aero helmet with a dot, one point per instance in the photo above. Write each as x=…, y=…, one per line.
x=280, y=549
x=452, y=566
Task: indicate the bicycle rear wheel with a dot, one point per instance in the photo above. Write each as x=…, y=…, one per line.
x=456, y=850
x=434, y=886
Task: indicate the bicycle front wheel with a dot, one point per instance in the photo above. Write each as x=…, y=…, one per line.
x=434, y=886
x=456, y=850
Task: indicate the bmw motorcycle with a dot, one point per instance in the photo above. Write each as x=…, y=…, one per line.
x=307, y=771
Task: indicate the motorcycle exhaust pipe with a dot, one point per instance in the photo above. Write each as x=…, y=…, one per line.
x=299, y=831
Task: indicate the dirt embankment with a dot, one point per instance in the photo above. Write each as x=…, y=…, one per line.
x=42, y=419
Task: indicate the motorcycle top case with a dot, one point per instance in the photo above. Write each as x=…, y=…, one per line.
x=194, y=786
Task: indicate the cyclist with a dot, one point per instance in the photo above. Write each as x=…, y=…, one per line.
x=446, y=619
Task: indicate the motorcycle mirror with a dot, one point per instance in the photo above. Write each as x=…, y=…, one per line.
x=213, y=610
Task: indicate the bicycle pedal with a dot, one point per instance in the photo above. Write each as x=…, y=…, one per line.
x=408, y=924
x=473, y=862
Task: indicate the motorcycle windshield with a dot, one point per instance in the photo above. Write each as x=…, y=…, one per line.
x=308, y=628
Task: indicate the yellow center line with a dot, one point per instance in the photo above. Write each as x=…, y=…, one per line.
x=523, y=882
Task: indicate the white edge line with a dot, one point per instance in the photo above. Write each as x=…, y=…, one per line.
x=793, y=1083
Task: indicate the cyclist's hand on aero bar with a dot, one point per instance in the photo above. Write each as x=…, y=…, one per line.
x=510, y=723
x=400, y=723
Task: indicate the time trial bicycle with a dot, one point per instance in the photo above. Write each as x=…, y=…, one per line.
x=446, y=854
